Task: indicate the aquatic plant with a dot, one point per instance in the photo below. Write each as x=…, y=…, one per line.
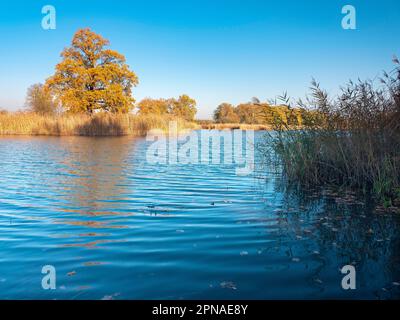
x=352, y=140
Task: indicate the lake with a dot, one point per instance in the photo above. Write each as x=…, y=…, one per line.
x=116, y=226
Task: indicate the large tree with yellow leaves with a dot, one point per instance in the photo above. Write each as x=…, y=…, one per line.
x=92, y=77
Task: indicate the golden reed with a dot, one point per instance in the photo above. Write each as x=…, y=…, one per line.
x=102, y=124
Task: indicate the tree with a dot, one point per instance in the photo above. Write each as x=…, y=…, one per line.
x=40, y=100
x=154, y=106
x=225, y=113
x=249, y=113
x=91, y=77
x=184, y=107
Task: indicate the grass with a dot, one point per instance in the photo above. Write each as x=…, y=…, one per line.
x=351, y=141
x=20, y=123
x=243, y=126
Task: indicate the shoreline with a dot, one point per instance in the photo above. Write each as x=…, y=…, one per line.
x=105, y=124
x=233, y=126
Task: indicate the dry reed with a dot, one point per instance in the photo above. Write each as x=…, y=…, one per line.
x=352, y=141
x=102, y=124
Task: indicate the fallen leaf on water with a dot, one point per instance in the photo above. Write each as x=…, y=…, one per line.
x=110, y=297
x=72, y=273
x=228, y=285
x=82, y=288
x=92, y=263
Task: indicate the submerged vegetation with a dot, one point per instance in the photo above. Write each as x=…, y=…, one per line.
x=350, y=141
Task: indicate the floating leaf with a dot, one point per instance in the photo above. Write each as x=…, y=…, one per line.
x=228, y=285
x=110, y=297
x=92, y=263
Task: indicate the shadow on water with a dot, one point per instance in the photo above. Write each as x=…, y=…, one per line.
x=340, y=228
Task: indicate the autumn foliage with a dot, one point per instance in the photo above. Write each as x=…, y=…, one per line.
x=258, y=114
x=184, y=107
x=92, y=77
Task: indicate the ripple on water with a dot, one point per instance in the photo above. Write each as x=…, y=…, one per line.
x=117, y=227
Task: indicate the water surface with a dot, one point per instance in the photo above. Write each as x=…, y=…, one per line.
x=117, y=227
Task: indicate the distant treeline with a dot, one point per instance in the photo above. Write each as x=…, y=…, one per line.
x=258, y=113
x=184, y=107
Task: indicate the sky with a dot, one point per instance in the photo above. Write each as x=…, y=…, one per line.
x=213, y=50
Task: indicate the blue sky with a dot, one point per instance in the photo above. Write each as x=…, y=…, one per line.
x=215, y=51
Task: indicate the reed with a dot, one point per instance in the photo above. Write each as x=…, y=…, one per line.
x=233, y=126
x=102, y=124
x=352, y=141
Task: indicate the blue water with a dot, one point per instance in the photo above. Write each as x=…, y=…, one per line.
x=117, y=227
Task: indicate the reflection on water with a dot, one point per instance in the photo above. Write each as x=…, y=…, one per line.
x=117, y=227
